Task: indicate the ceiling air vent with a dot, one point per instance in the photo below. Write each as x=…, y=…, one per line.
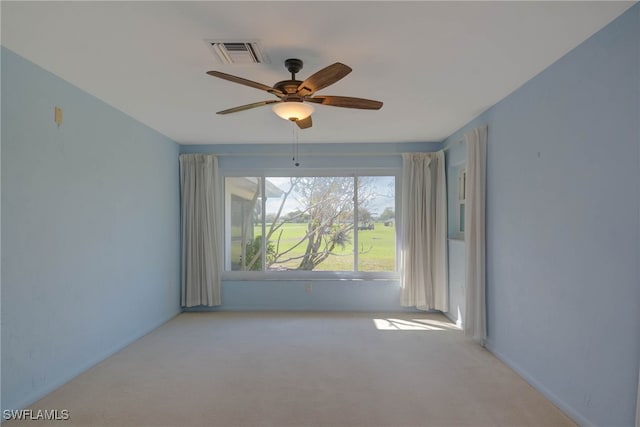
x=235, y=52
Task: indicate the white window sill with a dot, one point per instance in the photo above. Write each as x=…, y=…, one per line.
x=308, y=276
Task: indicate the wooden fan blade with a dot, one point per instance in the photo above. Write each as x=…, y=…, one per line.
x=245, y=82
x=304, y=123
x=346, y=102
x=247, y=107
x=323, y=78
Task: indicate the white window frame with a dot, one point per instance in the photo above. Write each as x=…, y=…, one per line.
x=297, y=275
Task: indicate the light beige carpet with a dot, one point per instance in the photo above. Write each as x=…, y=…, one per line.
x=302, y=369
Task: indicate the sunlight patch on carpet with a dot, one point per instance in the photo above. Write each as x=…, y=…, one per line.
x=390, y=324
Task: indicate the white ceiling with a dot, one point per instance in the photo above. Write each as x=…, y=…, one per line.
x=435, y=65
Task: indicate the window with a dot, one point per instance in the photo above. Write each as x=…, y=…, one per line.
x=244, y=234
x=462, y=183
x=310, y=223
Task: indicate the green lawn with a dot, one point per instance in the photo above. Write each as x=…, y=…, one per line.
x=376, y=249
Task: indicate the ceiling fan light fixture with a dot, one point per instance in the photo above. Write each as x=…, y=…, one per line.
x=293, y=110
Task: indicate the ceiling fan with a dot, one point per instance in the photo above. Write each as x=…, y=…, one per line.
x=296, y=97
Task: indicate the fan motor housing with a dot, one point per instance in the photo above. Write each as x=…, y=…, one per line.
x=288, y=86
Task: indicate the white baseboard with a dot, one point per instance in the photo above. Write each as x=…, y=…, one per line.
x=457, y=322
x=567, y=409
x=59, y=382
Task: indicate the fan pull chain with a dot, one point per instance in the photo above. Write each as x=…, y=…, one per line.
x=294, y=148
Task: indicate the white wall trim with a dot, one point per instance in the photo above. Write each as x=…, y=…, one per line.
x=90, y=364
x=563, y=406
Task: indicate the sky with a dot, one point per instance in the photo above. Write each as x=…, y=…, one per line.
x=382, y=186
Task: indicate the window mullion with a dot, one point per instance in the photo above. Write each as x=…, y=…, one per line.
x=263, y=192
x=355, y=223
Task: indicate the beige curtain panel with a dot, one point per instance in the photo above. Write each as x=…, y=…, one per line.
x=201, y=216
x=475, y=323
x=424, y=232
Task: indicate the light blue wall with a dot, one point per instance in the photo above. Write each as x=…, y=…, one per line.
x=90, y=231
x=455, y=157
x=312, y=156
x=563, y=227
x=324, y=295
x=457, y=270
x=334, y=295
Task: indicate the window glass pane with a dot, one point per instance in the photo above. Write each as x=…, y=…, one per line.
x=376, y=223
x=244, y=223
x=309, y=223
